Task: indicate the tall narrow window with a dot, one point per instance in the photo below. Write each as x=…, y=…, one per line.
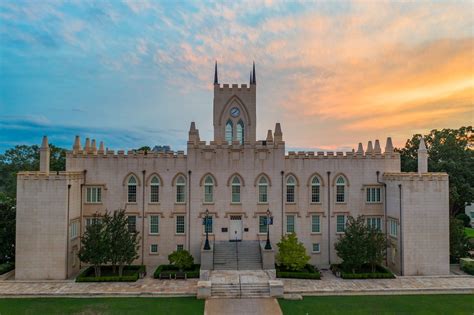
x=155, y=189
x=290, y=189
x=290, y=224
x=180, y=190
x=132, y=223
x=229, y=131
x=132, y=189
x=373, y=195
x=340, y=223
x=262, y=224
x=240, y=132
x=315, y=224
x=375, y=223
x=208, y=227
x=154, y=224
x=263, y=190
x=315, y=190
x=180, y=224
x=94, y=195
x=209, y=189
x=235, y=190
x=340, y=190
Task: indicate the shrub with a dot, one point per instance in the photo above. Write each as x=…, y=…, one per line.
x=291, y=253
x=131, y=274
x=192, y=272
x=365, y=273
x=4, y=268
x=458, y=241
x=181, y=259
x=308, y=272
x=465, y=219
x=467, y=265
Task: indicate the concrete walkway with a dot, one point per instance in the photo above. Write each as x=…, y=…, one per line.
x=266, y=306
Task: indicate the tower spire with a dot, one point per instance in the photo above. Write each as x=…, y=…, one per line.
x=250, y=82
x=216, y=81
x=254, y=78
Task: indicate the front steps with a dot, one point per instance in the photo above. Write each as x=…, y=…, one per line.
x=244, y=255
x=240, y=290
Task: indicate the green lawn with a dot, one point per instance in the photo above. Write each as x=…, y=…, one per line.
x=168, y=306
x=387, y=304
x=469, y=232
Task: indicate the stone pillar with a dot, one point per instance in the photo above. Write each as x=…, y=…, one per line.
x=44, y=156
x=422, y=157
x=207, y=257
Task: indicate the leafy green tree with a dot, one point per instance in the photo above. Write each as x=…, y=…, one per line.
x=464, y=218
x=458, y=241
x=352, y=246
x=95, y=247
x=376, y=247
x=291, y=253
x=450, y=151
x=144, y=148
x=7, y=229
x=123, y=245
x=25, y=158
x=181, y=259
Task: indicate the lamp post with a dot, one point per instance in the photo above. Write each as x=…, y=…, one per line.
x=206, y=222
x=268, y=245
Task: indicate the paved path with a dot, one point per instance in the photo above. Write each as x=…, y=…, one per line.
x=328, y=285
x=242, y=306
x=331, y=285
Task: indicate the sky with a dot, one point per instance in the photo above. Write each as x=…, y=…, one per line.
x=135, y=73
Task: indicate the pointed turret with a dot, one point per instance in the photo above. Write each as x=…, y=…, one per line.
x=370, y=149
x=254, y=77
x=360, y=149
x=269, y=136
x=44, y=155
x=93, y=146
x=377, y=148
x=77, y=144
x=389, y=146
x=278, y=135
x=216, y=80
x=88, y=145
x=101, y=148
x=422, y=157
x=193, y=133
x=250, y=82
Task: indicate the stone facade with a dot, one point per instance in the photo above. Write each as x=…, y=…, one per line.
x=237, y=179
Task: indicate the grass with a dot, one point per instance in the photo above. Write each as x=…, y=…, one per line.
x=469, y=232
x=386, y=304
x=168, y=306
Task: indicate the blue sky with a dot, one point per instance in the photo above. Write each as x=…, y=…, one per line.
x=133, y=73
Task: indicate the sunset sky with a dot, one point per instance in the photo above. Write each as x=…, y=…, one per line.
x=136, y=73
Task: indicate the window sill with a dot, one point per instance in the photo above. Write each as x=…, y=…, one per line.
x=262, y=233
x=154, y=203
x=316, y=203
x=179, y=203
x=316, y=253
x=179, y=234
x=154, y=234
x=210, y=234
x=340, y=233
x=208, y=203
x=316, y=233
x=92, y=203
x=341, y=203
x=373, y=203
x=290, y=203
x=235, y=203
x=131, y=203
x=154, y=254
x=262, y=203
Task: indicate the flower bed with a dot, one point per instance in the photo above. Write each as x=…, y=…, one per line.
x=364, y=273
x=172, y=270
x=6, y=267
x=130, y=274
x=308, y=272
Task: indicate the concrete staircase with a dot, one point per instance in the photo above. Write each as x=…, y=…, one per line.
x=243, y=255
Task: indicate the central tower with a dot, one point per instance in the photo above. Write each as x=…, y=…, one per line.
x=235, y=110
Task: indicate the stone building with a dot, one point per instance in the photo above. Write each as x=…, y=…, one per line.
x=237, y=179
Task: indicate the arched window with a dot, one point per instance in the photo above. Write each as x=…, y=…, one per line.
x=263, y=190
x=340, y=189
x=290, y=189
x=235, y=190
x=240, y=132
x=315, y=190
x=155, y=189
x=180, y=190
x=208, y=189
x=132, y=189
x=229, y=131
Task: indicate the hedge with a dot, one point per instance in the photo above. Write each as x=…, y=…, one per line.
x=309, y=272
x=88, y=275
x=381, y=273
x=6, y=267
x=172, y=269
x=467, y=265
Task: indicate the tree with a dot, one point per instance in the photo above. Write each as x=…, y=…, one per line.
x=450, y=151
x=376, y=247
x=291, y=253
x=95, y=247
x=7, y=229
x=464, y=218
x=144, y=148
x=458, y=241
x=123, y=245
x=181, y=259
x=352, y=246
x=25, y=158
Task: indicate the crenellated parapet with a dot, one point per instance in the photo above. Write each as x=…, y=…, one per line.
x=340, y=155
x=413, y=176
x=234, y=88
x=31, y=175
x=122, y=154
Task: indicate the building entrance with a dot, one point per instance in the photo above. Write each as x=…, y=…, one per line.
x=235, y=231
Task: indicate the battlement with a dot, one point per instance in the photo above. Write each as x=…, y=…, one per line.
x=413, y=176
x=126, y=155
x=31, y=175
x=340, y=155
x=232, y=88
x=212, y=145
